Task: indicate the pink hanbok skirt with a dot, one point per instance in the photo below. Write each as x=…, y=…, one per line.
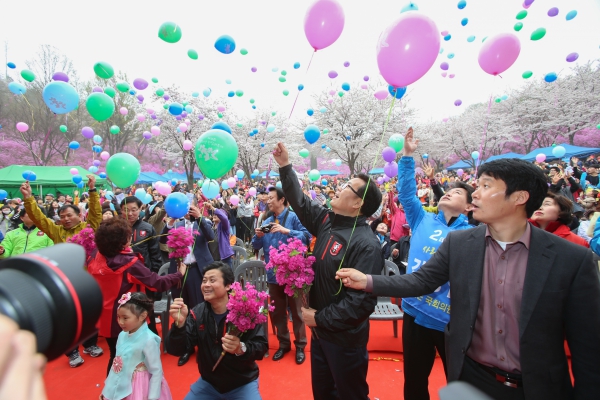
x=139, y=387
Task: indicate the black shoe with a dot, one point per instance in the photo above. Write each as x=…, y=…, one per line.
x=300, y=357
x=184, y=358
x=279, y=354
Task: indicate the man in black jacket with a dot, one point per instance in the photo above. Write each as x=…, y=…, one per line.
x=236, y=376
x=339, y=358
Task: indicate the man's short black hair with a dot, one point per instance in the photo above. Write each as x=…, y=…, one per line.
x=75, y=209
x=468, y=188
x=131, y=199
x=280, y=194
x=225, y=269
x=372, y=199
x=519, y=175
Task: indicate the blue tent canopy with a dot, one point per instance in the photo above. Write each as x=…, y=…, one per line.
x=179, y=176
x=572, y=151
x=329, y=172
x=463, y=164
x=264, y=174
x=459, y=165
x=376, y=171
x=149, y=177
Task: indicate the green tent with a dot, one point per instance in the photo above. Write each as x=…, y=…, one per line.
x=49, y=180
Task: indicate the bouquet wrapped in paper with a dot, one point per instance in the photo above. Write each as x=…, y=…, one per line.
x=179, y=241
x=86, y=239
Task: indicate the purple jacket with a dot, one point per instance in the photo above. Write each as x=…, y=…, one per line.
x=224, y=232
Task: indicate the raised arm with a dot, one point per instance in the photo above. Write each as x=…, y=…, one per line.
x=44, y=223
x=94, y=217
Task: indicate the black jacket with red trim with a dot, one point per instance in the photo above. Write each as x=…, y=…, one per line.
x=202, y=330
x=149, y=249
x=342, y=314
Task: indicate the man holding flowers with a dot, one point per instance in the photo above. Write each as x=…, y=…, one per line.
x=284, y=224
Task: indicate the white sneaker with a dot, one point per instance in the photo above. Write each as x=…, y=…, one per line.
x=75, y=360
x=93, y=351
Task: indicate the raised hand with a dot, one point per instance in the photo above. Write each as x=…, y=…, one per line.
x=25, y=189
x=281, y=155
x=91, y=181
x=428, y=170
x=179, y=312
x=410, y=143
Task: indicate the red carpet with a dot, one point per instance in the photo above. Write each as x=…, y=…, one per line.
x=277, y=379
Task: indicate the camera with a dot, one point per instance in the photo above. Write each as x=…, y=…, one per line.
x=266, y=228
x=51, y=294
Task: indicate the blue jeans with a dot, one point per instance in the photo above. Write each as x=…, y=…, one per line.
x=202, y=390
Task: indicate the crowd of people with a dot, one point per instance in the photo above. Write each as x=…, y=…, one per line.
x=502, y=337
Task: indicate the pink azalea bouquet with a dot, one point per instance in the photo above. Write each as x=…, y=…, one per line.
x=246, y=310
x=86, y=239
x=179, y=241
x=292, y=269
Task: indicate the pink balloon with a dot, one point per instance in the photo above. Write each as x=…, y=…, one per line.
x=220, y=108
x=140, y=117
x=323, y=23
x=364, y=86
x=407, y=49
x=499, y=52
x=183, y=127
x=22, y=127
x=155, y=130
x=187, y=145
x=252, y=191
x=444, y=33
x=330, y=100
x=540, y=157
x=231, y=182
x=123, y=111
x=451, y=76
x=74, y=171
x=444, y=74
x=105, y=155
x=460, y=172
x=331, y=92
x=234, y=200
x=150, y=111
x=381, y=94
x=445, y=119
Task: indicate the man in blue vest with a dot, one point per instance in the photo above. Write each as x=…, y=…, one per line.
x=425, y=317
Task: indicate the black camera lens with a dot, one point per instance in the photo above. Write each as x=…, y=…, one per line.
x=50, y=294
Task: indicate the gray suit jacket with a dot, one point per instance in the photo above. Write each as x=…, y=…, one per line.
x=561, y=296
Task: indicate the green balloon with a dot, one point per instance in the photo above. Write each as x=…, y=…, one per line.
x=286, y=92
x=273, y=113
x=243, y=52
x=114, y=129
x=123, y=169
x=100, y=106
x=159, y=92
x=598, y=126
x=518, y=26
x=325, y=131
x=303, y=153
x=484, y=39
x=527, y=74
x=165, y=106
x=185, y=103
x=538, y=34
x=104, y=70
x=123, y=86
x=251, y=101
x=63, y=128
x=239, y=93
x=314, y=175
x=216, y=153
x=282, y=79
x=497, y=99
x=110, y=91
x=220, y=115
x=521, y=14
x=396, y=142
x=283, y=72
x=239, y=125
x=193, y=54
x=154, y=80
x=28, y=75
x=170, y=32
x=340, y=93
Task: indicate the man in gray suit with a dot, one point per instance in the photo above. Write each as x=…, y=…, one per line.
x=517, y=292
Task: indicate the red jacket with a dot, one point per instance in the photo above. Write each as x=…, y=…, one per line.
x=398, y=219
x=126, y=272
x=563, y=231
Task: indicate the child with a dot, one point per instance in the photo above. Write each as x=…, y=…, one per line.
x=136, y=373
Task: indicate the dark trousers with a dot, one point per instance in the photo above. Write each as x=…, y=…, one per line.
x=112, y=347
x=244, y=228
x=191, y=292
x=419, y=344
x=338, y=372
x=279, y=318
x=473, y=374
x=92, y=341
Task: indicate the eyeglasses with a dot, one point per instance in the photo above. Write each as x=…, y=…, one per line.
x=347, y=185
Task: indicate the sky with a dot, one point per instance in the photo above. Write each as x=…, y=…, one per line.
x=125, y=34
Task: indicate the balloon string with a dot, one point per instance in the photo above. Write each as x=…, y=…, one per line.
x=298, y=94
x=485, y=128
x=387, y=120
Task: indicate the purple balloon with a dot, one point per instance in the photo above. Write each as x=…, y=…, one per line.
x=178, y=118
x=60, y=76
x=379, y=180
x=96, y=163
x=386, y=178
x=87, y=132
x=313, y=194
x=444, y=66
x=390, y=169
x=153, y=116
x=389, y=155
x=147, y=135
x=332, y=74
x=140, y=97
x=184, y=114
x=97, y=89
x=553, y=12
x=253, y=69
x=366, y=78
x=572, y=57
x=346, y=64
x=166, y=97
x=263, y=122
x=140, y=84
x=200, y=117
x=528, y=2
x=457, y=102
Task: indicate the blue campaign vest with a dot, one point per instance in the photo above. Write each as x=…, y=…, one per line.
x=427, y=237
x=585, y=186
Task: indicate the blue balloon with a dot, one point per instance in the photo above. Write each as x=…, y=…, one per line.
x=253, y=176
x=109, y=195
x=324, y=182
x=231, y=93
x=450, y=56
x=464, y=21
x=338, y=163
x=93, y=169
x=300, y=87
x=170, y=171
x=327, y=149
x=228, y=81
x=296, y=65
x=3, y=194
x=210, y=188
x=177, y=205
x=60, y=97
x=224, y=185
x=470, y=39
x=29, y=175
x=147, y=198
x=173, y=182
x=253, y=107
x=222, y=126
x=262, y=145
x=550, y=77
x=189, y=109
x=132, y=92
x=505, y=97
x=323, y=146
x=447, y=37
x=97, y=139
x=76, y=179
x=346, y=86
x=80, y=185
x=175, y=109
x=310, y=112
x=11, y=65
x=256, y=171
x=409, y=7
x=312, y=133
x=348, y=137
x=74, y=145
x=462, y=4
x=571, y=14
x=195, y=94
x=97, y=149
x=255, y=130
x=278, y=184
x=225, y=44
x=558, y=151
x=323, y=109
x=270, y=128
x=397, y=92
x=102, y=175
x=17, y=88
x=140, y=194
x=206, y=92
x=240, y=174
